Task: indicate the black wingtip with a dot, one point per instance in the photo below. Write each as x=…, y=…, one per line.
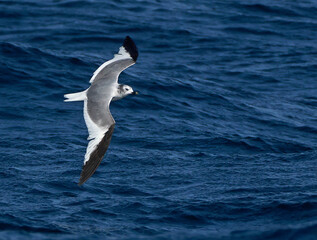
x=131, y=48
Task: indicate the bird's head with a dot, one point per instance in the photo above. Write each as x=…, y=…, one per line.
x=127, y=90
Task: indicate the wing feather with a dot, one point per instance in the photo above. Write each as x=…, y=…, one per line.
x=96, y=155
x=110, y=70
x=99, y=136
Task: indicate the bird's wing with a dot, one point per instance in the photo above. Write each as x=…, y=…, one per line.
x=98, y=149
x=110, y=70
x=95, y=157
x=100, y=126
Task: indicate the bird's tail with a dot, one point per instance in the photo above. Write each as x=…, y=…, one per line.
x=79, y=96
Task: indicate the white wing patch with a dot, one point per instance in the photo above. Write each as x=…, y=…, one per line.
x=95, y=133
x=122, y=54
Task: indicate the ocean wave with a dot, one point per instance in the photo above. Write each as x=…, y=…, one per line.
x=272, y=9
x=254, y=31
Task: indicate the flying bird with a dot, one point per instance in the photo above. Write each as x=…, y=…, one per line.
x=103, y=90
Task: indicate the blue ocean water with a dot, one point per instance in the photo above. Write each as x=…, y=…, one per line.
x=221, y=143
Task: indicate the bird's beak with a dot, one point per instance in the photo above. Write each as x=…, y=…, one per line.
x=135, y=93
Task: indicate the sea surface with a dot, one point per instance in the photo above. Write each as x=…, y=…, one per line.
x=221, y=143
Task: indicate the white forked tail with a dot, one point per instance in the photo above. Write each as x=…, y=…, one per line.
x=79, y=96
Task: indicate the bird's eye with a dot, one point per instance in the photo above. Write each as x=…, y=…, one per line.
x=127, y=89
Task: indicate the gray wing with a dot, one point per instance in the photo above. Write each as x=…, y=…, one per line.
x=99, y=96
x=100, y=124
x=110, y=70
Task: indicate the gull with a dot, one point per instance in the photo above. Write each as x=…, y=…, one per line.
x=103, y=90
